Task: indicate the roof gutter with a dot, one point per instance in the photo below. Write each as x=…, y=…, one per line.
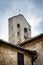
x=34, y=57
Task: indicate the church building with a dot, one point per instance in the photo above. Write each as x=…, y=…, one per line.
x=22, y=49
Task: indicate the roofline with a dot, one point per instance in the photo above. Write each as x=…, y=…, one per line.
x=31, y=40
x=18, y=47
x=27, y=21
x=14, y=16
x=18, y=15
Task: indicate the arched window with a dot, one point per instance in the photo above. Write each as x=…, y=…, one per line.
x=25, y=33
x=18, y=30
x=18, y=33
x=18, y=25
x=25, y=30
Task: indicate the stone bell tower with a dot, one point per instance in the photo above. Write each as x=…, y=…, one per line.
x=19, y=29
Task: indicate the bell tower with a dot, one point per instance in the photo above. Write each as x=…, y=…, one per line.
x=19, y=29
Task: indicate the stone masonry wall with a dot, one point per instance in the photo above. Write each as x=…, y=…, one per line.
x=13, y=30
x=39, y=48
x=7, y=56
x=27, y=60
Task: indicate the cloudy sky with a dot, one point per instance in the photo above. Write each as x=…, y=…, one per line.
x=31, y=9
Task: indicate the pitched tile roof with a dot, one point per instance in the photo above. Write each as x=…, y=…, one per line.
x=30, y=52
x=31, y=40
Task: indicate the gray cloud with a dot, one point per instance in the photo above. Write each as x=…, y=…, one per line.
x=31, y=9
x=39, y=27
